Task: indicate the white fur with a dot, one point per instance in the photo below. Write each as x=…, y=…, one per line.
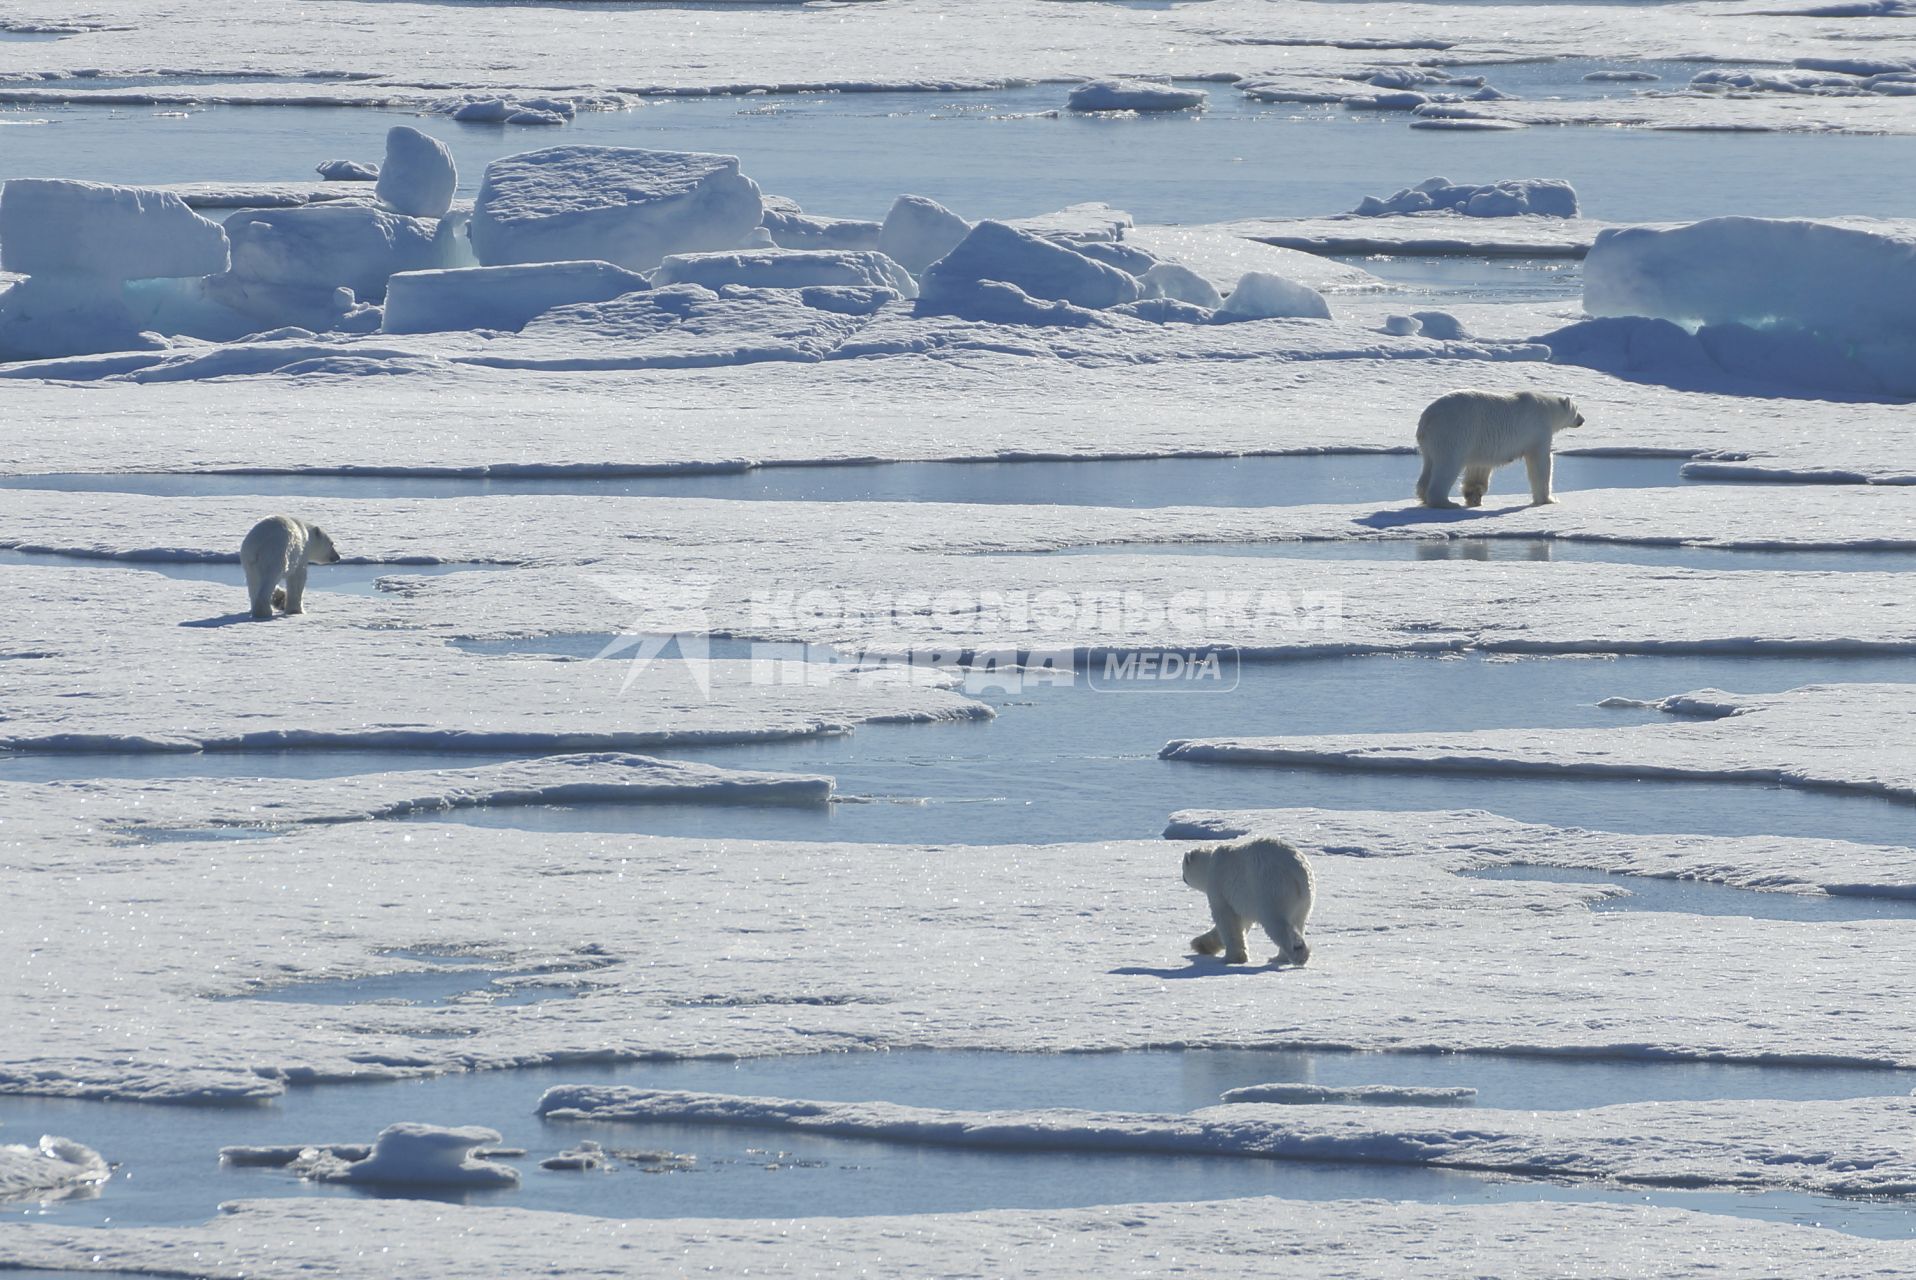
x=1261, y=880
x=1472, y=433
x=278, y=549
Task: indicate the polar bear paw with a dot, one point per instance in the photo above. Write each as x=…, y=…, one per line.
x=1207, y=944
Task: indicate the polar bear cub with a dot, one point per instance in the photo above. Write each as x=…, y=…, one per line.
x=1261, y=880
x=279, y=548
x=1475, y=432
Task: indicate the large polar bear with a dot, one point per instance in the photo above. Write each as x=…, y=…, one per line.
x=1475, y=432
x=1260, y=880
x=280, y=547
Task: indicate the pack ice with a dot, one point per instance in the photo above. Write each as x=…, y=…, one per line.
x=1831, y=304
x=52, y=1166
x=1550, y=197
x=78, y=243
x=622, y=205
x=1133, y=95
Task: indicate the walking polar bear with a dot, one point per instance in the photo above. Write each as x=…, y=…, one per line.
x=1475, y=432
x=279, y=548
x=1261, y=880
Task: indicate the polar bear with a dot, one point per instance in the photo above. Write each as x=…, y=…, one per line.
x=281, y=547
x=1260, y=880
x=1475, y=432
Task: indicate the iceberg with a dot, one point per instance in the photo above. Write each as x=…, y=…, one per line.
x=622, y=205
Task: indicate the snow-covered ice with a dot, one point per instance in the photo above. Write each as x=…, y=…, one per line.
x=621, y=205
x=1259, y=295
x=786, y=269
x=50, y=1168
x=409, y=1154
x=1374, y=1095
x=1543, y=197
x=917, y=232
x=418, y=176
x=1133, y=95
x=1828, y=295
x=497, y=297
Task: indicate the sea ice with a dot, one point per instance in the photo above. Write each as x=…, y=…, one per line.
x=1133, y=95
x=917, y=232
x=418, y=177
x=622, y=205
x=58, y=227
x=409, y=1154
x=323, y=247
x=346, y=171
x=52, y=1167
x=1375, y=1095
x=498, y=297
x=1828, y=295
x=1260, y=295
x=1176, y=281
x=786, y=269
x=1038, y=268
x=1550, y=197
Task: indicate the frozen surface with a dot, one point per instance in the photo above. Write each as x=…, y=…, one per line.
x=1833, y=297
x=1379, y=1095
x=497, y=297
x=786, y=269
x=1831, y=1148
x=418, y=176
x=50, y=1168
x=622, y=205
x=59, y=227
x=1133, y=95
x=993, y=255
x=416, y=1155
x=1510, y=198
x=1803, y=738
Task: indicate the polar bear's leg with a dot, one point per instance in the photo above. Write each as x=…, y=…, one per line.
x=1230, y=930
x=1291, y=947
x=1423, y=482
x=295, y=589
x=1539, y=463
x=259, y=591
x=1476, y=485
x=1439, y=475
x=1207, y=944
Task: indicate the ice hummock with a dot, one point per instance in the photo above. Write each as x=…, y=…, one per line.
x=1036, y=268
x=1831, y=303
x=1549, y=197
x=917, y=232
x=55, y=226
x=418, y=177
x=53, y=1166
x=498, y=297
x=410, y=1154
x=787, y=269
x=1259, y=295
x=1133, y=95
x=623, y=205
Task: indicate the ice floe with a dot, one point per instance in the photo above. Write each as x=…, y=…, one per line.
x=621, y=205
x=409, y=1154
x=1372, y=1095
x=50, y=1168
x=497, y=297
x=1133, y=95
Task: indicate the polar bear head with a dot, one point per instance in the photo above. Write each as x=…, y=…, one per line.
x=319, y=546
x=1568, y=414
x=1197, y=869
